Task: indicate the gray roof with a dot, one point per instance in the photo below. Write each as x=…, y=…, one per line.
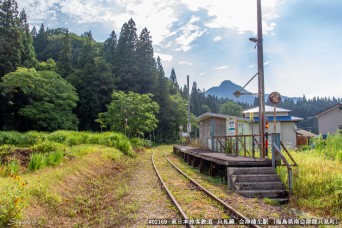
x=328, y=109
x=210, y=114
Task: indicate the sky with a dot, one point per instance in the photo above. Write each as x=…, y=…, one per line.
x=209, y=39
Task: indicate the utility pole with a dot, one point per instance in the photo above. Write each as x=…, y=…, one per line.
x=261, y=85
x=188, y=128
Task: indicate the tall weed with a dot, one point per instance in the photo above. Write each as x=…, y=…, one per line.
x=54, y=158
x=12, y=168
x=317, y=182
x=37, y=161
x=331, y=147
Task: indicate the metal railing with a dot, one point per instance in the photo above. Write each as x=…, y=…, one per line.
x=238, y=145
x=278, y=157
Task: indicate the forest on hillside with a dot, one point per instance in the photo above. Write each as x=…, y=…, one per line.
x=54, y=79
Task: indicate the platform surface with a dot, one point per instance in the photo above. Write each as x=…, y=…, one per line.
x=223, y=158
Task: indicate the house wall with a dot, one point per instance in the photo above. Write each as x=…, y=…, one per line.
x=215, y=124
x=204, y=132
x=287, y=130
x=329, y=121
x=288, y=134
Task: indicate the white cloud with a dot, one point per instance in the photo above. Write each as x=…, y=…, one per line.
x=201, y=74
x=251, y=66
x=239, y=15
x=217, y=38
x=221, y=67
x=158, y=16
x=185, y=63
x=267, y=62
x=37, y=11
x=190, y=32
x=163, y=57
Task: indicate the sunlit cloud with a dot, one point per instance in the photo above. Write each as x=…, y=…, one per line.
x=163, y=57
x=217, y=38
x=185, y=63
x=189, y=33
x=221, y=67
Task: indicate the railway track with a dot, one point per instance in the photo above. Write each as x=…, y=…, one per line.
x=192, y=200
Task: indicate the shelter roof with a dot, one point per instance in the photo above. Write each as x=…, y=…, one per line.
x=306, y=133
x=210, y=114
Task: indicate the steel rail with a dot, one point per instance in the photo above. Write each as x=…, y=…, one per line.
x=174, y=201
x=235, y=213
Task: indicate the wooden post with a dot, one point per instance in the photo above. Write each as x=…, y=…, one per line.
x=236, y=146
x=201, y=165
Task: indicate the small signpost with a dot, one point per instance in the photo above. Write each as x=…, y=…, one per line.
x=274, y=98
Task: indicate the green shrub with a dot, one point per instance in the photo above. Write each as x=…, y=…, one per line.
x=37, y=161
x=20, y=139
x=140, y=143
x=10, y=137
x=47, y=147
x=34, y=137
x=94, y=138
x=58, y=136
x=117, y=140
x=54, y=158
x=6, y=149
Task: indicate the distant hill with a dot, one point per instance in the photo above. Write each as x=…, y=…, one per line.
x=226, y=90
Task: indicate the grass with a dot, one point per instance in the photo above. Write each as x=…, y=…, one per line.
x=317, y=181
x=42, y=142
x=76, y=151
x=41, y=187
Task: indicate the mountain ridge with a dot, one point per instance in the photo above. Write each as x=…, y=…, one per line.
x=227, y=88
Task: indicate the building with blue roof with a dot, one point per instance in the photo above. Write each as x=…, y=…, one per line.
x=285, y=123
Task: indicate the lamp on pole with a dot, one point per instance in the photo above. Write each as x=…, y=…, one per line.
x=261, y=85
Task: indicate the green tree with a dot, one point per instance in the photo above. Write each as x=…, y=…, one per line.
x=40, y=42
x=175, y=86
x=64, y=64
x=37, y=100
x=231, y=108
x=28, y=56
x=10, y=37
x=94, y=82
x=109, y=47
x=125, y=62
x=146, y=76
x=168, y=122
x=195, y=100
x=131, y=113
